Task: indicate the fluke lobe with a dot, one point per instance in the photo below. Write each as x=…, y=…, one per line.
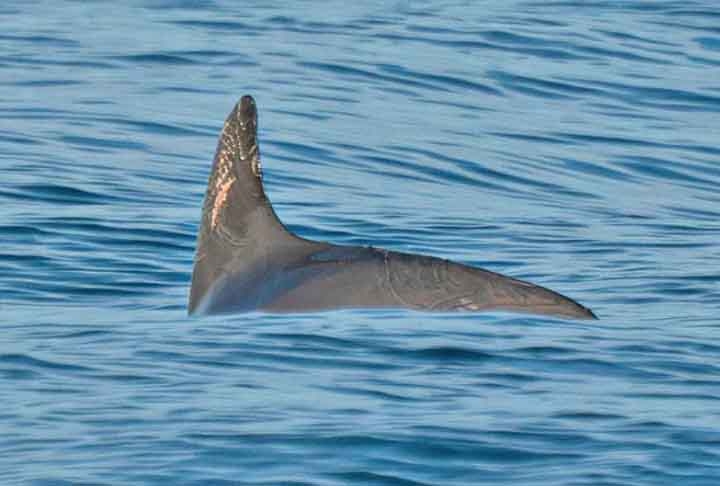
x=247, y=260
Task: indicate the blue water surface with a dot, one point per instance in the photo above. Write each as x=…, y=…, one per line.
x=570, y=143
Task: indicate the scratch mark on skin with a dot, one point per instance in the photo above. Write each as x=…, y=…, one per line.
x=255, y=164
x=462, y=301
x=388, y=277
x=220, y=201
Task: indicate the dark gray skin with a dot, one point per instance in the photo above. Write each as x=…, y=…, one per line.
x=247, y=260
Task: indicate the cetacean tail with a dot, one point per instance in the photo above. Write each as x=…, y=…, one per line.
x=238, y=221
x=423, y=282
x=246, y=259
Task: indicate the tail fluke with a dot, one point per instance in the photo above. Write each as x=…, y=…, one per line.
x=237, y=219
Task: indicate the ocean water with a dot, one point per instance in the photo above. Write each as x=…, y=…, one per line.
x=571, y=143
